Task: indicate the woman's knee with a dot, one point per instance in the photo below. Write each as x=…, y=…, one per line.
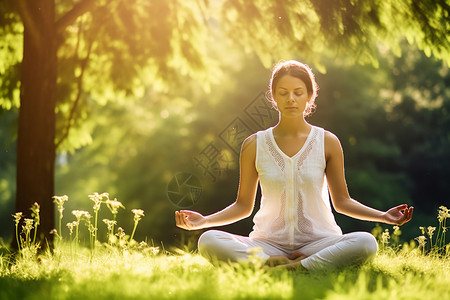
x=367, y=243
x=208, y=240
x=217, y=245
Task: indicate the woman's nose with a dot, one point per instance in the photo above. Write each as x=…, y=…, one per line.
x=291, y=96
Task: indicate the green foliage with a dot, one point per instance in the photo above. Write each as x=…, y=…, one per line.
x=417, y=107
x=131, y=48
x=128, y=46
x=272, y=28
x=11, y=50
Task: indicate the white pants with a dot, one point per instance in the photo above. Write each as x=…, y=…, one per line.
x=326, y=253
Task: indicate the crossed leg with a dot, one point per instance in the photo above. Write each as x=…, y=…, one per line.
x=326, y=253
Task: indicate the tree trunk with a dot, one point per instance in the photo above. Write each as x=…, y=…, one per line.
x=36, y=130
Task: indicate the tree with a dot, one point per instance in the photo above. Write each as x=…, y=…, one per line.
x=145, y=31
x=8, y=121
x=71, y=46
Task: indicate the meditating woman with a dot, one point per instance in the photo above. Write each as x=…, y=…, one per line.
x=297, y=165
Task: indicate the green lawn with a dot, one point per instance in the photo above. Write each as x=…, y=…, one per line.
x=142, y=274
x=123, y=269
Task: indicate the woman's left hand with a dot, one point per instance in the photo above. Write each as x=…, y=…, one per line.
x=398, y=215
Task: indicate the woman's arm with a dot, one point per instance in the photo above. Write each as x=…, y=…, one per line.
x=341, y=199
x=241, y=208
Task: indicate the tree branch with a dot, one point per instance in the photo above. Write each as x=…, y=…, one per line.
x=29, y=23
x=77, y=10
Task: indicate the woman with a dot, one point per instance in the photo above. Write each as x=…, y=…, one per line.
x=296, y=164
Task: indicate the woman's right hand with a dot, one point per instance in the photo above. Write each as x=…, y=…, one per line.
x=190, y=220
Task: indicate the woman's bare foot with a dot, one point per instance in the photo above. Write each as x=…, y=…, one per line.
x=297, y=255
x=293, y=262
x=294, y=265
x=277, y=260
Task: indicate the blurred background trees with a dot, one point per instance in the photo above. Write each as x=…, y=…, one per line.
x=150, y=90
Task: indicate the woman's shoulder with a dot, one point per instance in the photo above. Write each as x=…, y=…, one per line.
x=250, y=141
x=332, y=143
x=248, y=148
x=329, y=136
x=253, y=137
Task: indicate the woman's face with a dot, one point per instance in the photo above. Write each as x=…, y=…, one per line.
x=291, y=96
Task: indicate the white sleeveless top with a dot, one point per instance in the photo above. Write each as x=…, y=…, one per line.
x=295, y=207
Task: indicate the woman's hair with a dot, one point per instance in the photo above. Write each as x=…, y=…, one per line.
x=302, y=72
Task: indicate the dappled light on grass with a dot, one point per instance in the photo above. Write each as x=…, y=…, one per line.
x=142, y=273
x=407, y=275
x=122, y=268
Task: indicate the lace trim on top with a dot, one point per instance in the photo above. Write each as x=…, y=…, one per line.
x=280, y=223
x=307, y=150
x=304, y=224
x=275, y=154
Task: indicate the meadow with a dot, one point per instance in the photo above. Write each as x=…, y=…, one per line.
x=122, y=268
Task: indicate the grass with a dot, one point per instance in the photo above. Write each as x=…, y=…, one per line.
x=141, y=274
x=123, y=269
